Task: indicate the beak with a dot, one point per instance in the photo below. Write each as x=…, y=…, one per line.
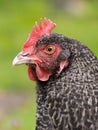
x=25, y=59
x=21, y=59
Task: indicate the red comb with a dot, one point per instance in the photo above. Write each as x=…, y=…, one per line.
x=44, y=28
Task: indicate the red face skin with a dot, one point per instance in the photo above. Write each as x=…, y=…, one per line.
x=48, y=58
x=44, y=57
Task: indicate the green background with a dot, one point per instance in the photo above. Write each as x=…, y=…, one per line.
x=17, y=18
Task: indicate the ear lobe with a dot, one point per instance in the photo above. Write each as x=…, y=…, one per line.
x=63, y=64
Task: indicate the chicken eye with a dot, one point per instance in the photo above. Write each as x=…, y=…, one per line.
x=50, y=49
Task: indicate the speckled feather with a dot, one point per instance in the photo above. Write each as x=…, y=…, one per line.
x=69, y=101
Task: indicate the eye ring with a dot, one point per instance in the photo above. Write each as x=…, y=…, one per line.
x=50, y=49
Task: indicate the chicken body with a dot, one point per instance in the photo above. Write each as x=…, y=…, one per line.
x=69, y=101
x=67, y=82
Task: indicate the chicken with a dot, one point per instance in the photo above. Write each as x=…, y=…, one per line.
x=66, y=73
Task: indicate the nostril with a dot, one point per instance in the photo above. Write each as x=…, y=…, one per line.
x=26, y=54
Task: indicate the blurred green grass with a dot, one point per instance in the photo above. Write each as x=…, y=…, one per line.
x=20, y=118
x=16, y=21
x=24, y=118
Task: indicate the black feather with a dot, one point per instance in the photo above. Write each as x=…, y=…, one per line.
x=69, y=101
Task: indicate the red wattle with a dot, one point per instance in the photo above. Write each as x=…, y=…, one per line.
x=42, y=74
x=30, y=74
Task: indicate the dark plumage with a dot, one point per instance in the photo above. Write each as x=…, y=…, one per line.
x=69, y=100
